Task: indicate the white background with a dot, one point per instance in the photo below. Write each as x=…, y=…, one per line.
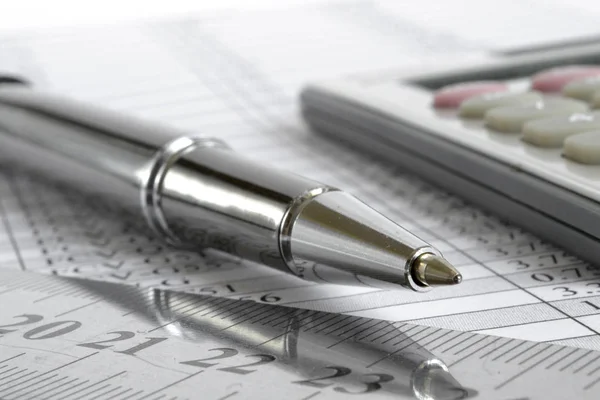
x=28, y=14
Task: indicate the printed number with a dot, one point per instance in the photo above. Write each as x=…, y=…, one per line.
x=594, y=284
x=230, y=288
x=542, y=277
x=150, y=342
x=212, y=290
x=70, y=326
x=500, y=252
x=572, y=272
x=549, y=256
x=575, y=271
x=370, y=386
x=264, y=359
x=589, y=303
x=29, y=319
x=225, y=353
x=483, y=240
x=269, y=298
x=520, y=264
x=121, y=335
x=175, y=282
x=67, y=326
x=338, y=372
x=207, y=290
x=566, y=291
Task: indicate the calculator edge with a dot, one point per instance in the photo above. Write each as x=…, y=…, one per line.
x=534, y=204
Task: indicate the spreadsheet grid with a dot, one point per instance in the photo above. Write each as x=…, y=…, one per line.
x=217, y=77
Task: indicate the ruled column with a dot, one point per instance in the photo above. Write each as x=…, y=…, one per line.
x=9, y=209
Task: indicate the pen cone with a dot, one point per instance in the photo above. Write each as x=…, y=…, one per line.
x=337, y=230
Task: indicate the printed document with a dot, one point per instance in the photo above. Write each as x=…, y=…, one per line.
x=237, y=76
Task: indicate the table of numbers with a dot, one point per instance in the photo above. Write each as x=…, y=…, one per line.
x=210, y=76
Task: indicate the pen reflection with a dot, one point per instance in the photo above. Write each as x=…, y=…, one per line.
x=306, y=343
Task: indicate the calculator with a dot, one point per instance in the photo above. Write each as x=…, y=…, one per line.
x=517, y=133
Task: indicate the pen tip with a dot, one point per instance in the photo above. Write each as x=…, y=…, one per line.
x=433, y=270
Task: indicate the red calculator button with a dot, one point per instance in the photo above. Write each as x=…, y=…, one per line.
x=452, y=95
x=553, y=79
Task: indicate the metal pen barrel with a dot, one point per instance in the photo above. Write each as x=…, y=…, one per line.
x=195, y=192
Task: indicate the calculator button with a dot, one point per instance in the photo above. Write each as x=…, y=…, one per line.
x=582, y=89
x=552, y=132
x=452, y=95
x=583, y=148
x=553, y=79
x=512, y=118
x=595, y=102
x=476, y=107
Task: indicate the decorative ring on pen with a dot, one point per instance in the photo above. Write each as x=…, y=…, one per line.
x=157, y=169
x=291, y=214
x=411, y=282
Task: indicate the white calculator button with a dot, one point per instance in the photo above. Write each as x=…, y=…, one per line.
x=512, y=118
x=452, y=95
x=553, y=79
x=595, y=102
x=583, y=148
x=582, y=89
x=552, y=132
x=476, y=107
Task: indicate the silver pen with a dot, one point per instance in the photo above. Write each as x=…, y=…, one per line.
x=194, y=192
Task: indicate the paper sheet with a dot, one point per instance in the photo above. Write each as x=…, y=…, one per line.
x=236, y=76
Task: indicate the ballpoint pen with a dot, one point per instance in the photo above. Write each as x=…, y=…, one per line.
x=194, y=192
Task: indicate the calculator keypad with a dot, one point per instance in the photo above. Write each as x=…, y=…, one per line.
x=477, y=106
x=552, y=132
x=512, y=118
x=553, y=109
x=582, y=89
x=452, y=96
x=554, y=79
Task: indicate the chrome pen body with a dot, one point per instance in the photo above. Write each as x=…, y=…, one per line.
x=195, y=192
